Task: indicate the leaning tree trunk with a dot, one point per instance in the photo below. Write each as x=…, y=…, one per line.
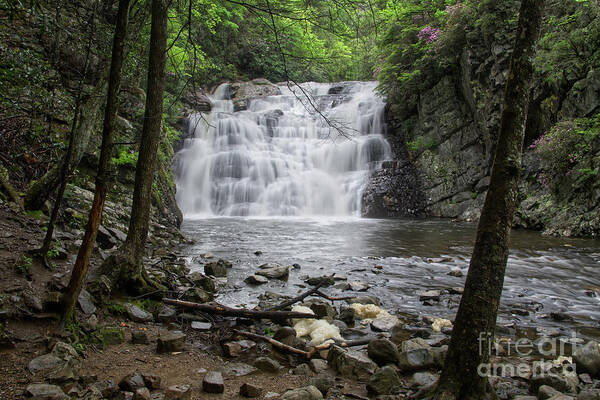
x=476, y=317
x=126, y=267
x=103, y=175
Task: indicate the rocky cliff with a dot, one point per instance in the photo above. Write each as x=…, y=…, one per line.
x=444, y=141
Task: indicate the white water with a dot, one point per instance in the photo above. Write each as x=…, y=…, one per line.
x=281, y=157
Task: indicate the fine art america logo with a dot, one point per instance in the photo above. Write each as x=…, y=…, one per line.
x=542, y=357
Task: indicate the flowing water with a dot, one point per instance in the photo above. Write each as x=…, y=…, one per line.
x=291, y=188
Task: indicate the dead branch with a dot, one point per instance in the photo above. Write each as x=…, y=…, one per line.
x=303, y=295
x=275, y=343
x=326, y=346
x=237, y=312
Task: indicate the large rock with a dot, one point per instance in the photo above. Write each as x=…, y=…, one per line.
x=350, y=363
x=415, y=360
x=137, y=314
x=559, y=381
x=86, y=302
x=132, y=382
x=304, y=393
x=45, y=392
x=383, y=352
x=249, y=390
x=213, y=382
x=267, y=364
x=217, y=269
x=171, y=342
x=58, y=366
x=323, y=383
x=587, y=358
x=259, y=87
x=274, y=271
x=256, y=280
x=178, y=392
x=384, y=381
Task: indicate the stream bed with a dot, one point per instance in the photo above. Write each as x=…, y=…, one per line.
x=548, y=280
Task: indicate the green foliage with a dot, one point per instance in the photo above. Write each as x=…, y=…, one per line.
x=116, y=309
x=37, y=214
x=126, y=157
x=421, y=144
x=24, y=265
x=52, y=253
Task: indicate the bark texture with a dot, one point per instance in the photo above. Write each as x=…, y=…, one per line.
x=103, y=176
x=476, y=317
x=126, y=268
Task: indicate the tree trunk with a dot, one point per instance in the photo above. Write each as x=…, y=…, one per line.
x=126, y=267
x=8, y=188
x=476, y=318
x=103, y=175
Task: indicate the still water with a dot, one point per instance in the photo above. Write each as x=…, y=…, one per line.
x=545, y=275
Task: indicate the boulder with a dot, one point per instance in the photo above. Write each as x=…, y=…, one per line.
x=423, y=379
x=259, y=87
x=318, y=365
x=302, y=369
x=213, y=382
x=413, y=344
x=267, y=364
x=58, y=366
x=166, y=314
x=384, y=324
x=415, y=360
x=142, y=394
x=132, y=382
x=304, y=393
x=152, y=381
x=274, y=271
x=171, y=342
x=178, y=392
x=323, y=309
x=284, y=332
x=383, y=352
x=217, y=269
x=545, y=392
x=589, y=394
x=41, y=391
x=350, y=363
x=249, y=390
x=323, y=383
x=256, y=280
x=137, y=314
x=107, y=388
x=384, y=381
x=561, y=382
x=587, y=358
x=86, y=302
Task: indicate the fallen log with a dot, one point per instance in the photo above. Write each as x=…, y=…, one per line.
x=237, y=312
x=302, y=296
x=275, y=343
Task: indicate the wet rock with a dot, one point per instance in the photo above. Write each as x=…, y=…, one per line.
x=213, y=382
x=364, y=300
x=201, y=326
x=324, y=281
x=171, y=342
x=384, y=324
x=317, y=365
x=45, y=392
x=302, y=369
x=132, y=382
x=358, y=286
x=545, y=392
x=423, y=379
x=323, y=383
x=413, y=344
x=415, y=360
x=433, y=295
x=384, y=381
x=152, y=381
x=137, y=314
x=139, y=337
x=456, y=290
x=217, y=269
x=304, y=393
x=382, y=351
x=587, y=358
x=267, y=364
x=178, y=392
x=272, y=271
x=256, y=280
x=249, y=390
x=142, y=394
x=350, y=363
x=348, y=316
x=457, y=273
x=323, y=309
x=166, y=314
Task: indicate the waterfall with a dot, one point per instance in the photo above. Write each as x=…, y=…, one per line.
x=281, y=157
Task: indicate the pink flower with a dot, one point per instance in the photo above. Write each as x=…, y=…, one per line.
x=429, y=34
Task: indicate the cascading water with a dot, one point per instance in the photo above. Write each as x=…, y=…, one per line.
x=280, y=157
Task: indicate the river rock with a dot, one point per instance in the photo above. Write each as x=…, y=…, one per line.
x=364, y=300
x=249, y=390
x=171, y=342
x=358, y=286
x=423, y=379
x=323, y=383
x=217, y=269
x=267, y=364
x=348, y=316
x=142, y=394
x=415, y=360
x=350, y=363
x=382, y=351
x=302, y=369
x=413, y=344
x=457, y=273
x=213, y=382
x=86, y=302
x=284, y=332
x=256, y=280
x=318, y=365
x=323, y=309
x=132, y=382
x=178, y=392
x=137, y=314
x=587, y=358
x=384, y=381
x=201, y=326
x=41, y=391
x=304, y=393
x=433, y=295
x=385, y=324
x=274, y=271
